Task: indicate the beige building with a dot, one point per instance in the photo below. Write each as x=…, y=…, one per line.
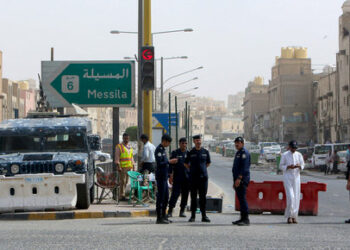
x=327, y=108
x=198, y=122
x=290, y=97
x=343, y=66
x=255, y=104
x=223, y=126
x=127, y=118
x=2, y=96
x=101, y=121
x=234, y=102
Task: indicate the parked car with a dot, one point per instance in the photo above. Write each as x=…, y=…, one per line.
x=304, y=152
x=342, y=165
x=270, y=153
x=101, y=156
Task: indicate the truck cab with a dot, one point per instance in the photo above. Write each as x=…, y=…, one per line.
x=47, y=163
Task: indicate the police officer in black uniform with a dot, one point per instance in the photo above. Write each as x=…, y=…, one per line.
x=179, y=178
x=198, y=160
x=162, y=179
x=241, y=178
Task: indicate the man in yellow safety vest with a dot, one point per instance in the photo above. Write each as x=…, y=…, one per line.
x=124, y=161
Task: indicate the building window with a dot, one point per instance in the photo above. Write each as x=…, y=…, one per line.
x=15, y=112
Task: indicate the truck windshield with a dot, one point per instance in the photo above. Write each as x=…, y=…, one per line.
x=65, y=142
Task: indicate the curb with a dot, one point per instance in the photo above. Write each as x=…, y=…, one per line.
x=69, y=215
x=307, y=173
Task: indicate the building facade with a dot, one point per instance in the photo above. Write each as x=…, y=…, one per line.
x=290, y=97
x=327, y=108
x=255, y=104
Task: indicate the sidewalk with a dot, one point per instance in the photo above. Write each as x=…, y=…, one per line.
x=321, y=175
x=108, y=209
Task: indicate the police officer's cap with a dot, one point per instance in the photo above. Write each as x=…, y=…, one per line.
x=195, y=137
x=183, y=139
x=239, y=139
x=293, y=144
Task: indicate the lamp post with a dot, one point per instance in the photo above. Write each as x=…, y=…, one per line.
x=188, y=90
x=170, y=78
x=117, y=32
x=181, y=83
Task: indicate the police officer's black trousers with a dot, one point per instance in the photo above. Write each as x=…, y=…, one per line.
x=162, y=197
x=199, y=186
x=180, y=186
x=241, y=193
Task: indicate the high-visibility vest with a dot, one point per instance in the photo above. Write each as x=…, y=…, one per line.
x=125, y=156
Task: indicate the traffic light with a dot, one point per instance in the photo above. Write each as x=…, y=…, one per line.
x=147, y=68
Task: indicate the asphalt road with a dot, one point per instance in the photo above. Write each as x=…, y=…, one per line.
x=334, y=202
x=326, y=231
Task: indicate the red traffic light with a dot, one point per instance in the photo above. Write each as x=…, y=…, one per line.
x=147, y=54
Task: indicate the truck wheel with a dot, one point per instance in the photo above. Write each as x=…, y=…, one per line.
x=83, y=201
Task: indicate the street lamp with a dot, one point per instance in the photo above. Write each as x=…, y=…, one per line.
x=162, y=83
x=188, y=90
x=181, y=83
x=157, y=59
x=183, y=73
x=117, y=32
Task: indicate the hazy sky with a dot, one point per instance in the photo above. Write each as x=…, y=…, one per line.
x=234, y=40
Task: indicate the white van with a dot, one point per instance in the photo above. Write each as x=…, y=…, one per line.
x=322, y=150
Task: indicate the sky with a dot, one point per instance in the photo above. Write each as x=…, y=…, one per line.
x=234, y=40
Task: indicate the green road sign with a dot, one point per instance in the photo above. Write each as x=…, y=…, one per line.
x=89, y=83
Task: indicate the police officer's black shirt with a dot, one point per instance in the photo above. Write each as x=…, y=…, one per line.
x=198, y=160
x=162, y=163
x=241, y=166
x=179, y=170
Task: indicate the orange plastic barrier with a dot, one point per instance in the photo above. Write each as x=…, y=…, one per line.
x=269, y=196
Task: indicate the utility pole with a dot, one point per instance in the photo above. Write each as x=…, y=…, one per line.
x=161, y=84
x=177, y=125
x=139, y=87
x=147, y=94
x=169, y=132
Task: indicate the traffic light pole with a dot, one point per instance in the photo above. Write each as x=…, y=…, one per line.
x=139, y=87
x=147, y=94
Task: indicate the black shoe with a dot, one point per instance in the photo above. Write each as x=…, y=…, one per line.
x=236, y=222
x=167, y=219
x=245, y=222
x=347, y=221
x=205, y=219
x=192, y=219
x=170, y=212
x=182, y=214
x=162, y=221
